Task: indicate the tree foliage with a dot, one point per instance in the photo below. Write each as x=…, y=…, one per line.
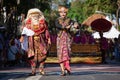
x=80, y=9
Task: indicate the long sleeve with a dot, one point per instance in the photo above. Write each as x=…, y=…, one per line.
x=58, y=26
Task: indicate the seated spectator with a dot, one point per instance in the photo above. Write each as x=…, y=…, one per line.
x=76, y=39
x=83, y=38
x=90, y=38
x=12, y=51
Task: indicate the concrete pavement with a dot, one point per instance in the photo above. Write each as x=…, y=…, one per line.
x=110, y=71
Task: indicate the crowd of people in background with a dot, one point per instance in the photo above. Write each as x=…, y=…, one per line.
x=9, y=48
x=112, y=46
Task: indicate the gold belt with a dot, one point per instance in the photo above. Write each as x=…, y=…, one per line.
x=36, y=37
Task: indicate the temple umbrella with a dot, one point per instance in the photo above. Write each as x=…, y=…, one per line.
x=93, y=17
x=101, y=25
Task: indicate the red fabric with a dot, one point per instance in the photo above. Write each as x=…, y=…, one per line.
x=40, y=43
x=67, y=65
x=40, y=30
x=42, y=21
x=63, y=47
x=28, y=21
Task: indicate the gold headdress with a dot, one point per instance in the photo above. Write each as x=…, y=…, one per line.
x=34, y=11
x=62, y=9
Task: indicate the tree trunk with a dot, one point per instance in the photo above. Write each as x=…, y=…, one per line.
x=117, y=17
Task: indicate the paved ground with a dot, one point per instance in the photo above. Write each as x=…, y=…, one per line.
x=110, y=71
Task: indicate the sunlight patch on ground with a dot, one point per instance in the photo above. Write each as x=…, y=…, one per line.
x=90, y=60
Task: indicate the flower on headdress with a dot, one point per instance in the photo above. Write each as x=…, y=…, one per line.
x=42, y=21
x=28, y=21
